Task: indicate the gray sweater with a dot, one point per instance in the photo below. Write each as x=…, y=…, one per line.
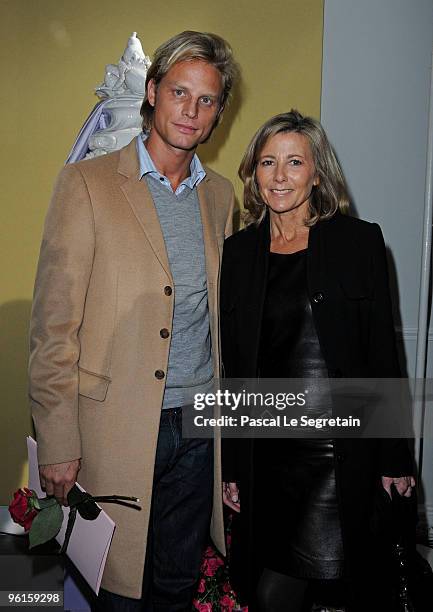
x=190, y=368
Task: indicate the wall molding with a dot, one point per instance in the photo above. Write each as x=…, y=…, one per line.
x=410, y=334
x=425, y=512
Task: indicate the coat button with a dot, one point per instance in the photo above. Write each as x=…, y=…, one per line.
x=318, y=297
x=164, y=333
x=341, y=457
x=159, y=374
x=168, y=290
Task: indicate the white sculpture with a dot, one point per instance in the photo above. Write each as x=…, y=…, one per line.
x=122, y=92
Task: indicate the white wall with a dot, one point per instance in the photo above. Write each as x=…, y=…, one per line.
x=375, y=96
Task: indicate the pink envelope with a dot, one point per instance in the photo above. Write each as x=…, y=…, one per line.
x=90, y=540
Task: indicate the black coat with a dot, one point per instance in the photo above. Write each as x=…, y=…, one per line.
x=348, y=288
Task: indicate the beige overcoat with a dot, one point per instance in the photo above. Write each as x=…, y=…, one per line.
x=103, y=292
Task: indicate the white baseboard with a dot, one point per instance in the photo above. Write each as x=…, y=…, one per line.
x=410, y=334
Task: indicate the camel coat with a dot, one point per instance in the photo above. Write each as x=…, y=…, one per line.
x=103, y=292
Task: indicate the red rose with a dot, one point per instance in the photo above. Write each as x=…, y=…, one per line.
x=209, y=552
x=21, y=509
x=202, y=607
x=201, y=586
x=226, y=603
x=211, y=565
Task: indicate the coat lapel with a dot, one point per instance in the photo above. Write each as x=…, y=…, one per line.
x=258, y=279
x=316, y=260
x=140, y=200
x=206, y=198
x=321, y=288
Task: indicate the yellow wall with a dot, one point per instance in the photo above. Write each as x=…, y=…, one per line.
x=54, y=54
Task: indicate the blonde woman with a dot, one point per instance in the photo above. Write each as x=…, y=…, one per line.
x=304, y=294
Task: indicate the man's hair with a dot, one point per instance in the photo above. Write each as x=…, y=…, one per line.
x=327, y=197
x=188, y=46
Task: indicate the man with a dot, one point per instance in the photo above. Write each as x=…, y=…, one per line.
x=125, y=329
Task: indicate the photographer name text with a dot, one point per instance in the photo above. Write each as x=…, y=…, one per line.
x=278, y=420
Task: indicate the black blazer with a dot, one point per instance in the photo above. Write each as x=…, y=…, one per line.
x=348, y=288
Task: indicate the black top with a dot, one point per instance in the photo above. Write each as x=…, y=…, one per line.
x=289, y=345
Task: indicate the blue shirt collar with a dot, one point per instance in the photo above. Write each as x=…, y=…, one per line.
x=147, y=166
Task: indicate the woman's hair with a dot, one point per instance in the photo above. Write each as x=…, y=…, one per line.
x=188, y=46
x=327, y=197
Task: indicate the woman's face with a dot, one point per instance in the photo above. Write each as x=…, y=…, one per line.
x=285, y=172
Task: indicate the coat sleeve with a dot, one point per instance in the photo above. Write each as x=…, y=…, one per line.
x=395, y=458
x=62, y=279
x=229, y=446
x=228, y=353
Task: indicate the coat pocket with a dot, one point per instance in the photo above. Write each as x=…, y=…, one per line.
x=94, y=386
x=357, y=286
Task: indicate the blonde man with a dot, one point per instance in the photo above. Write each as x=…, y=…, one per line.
x=125, y=329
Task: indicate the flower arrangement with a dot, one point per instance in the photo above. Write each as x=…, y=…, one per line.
x=214, y=592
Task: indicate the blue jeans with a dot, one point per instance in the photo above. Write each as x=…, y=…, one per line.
x=179, y=523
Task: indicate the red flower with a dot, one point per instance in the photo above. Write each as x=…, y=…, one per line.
x=21, y=510
x=211, y=565
x=201, y=586
x=210, y=552
x=202, y=607
x=226, y=603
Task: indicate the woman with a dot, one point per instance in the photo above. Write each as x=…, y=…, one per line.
x=304, y=294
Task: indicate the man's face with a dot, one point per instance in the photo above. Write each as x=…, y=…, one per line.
x=186, y=104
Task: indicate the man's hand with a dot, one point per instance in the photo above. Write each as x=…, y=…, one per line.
x=231, y=496
x=58, y=479
x=403, y=484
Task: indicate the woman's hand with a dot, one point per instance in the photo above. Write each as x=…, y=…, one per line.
x=231, y=496
x=403, y=484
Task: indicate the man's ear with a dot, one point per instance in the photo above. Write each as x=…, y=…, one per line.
x=151, y=92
